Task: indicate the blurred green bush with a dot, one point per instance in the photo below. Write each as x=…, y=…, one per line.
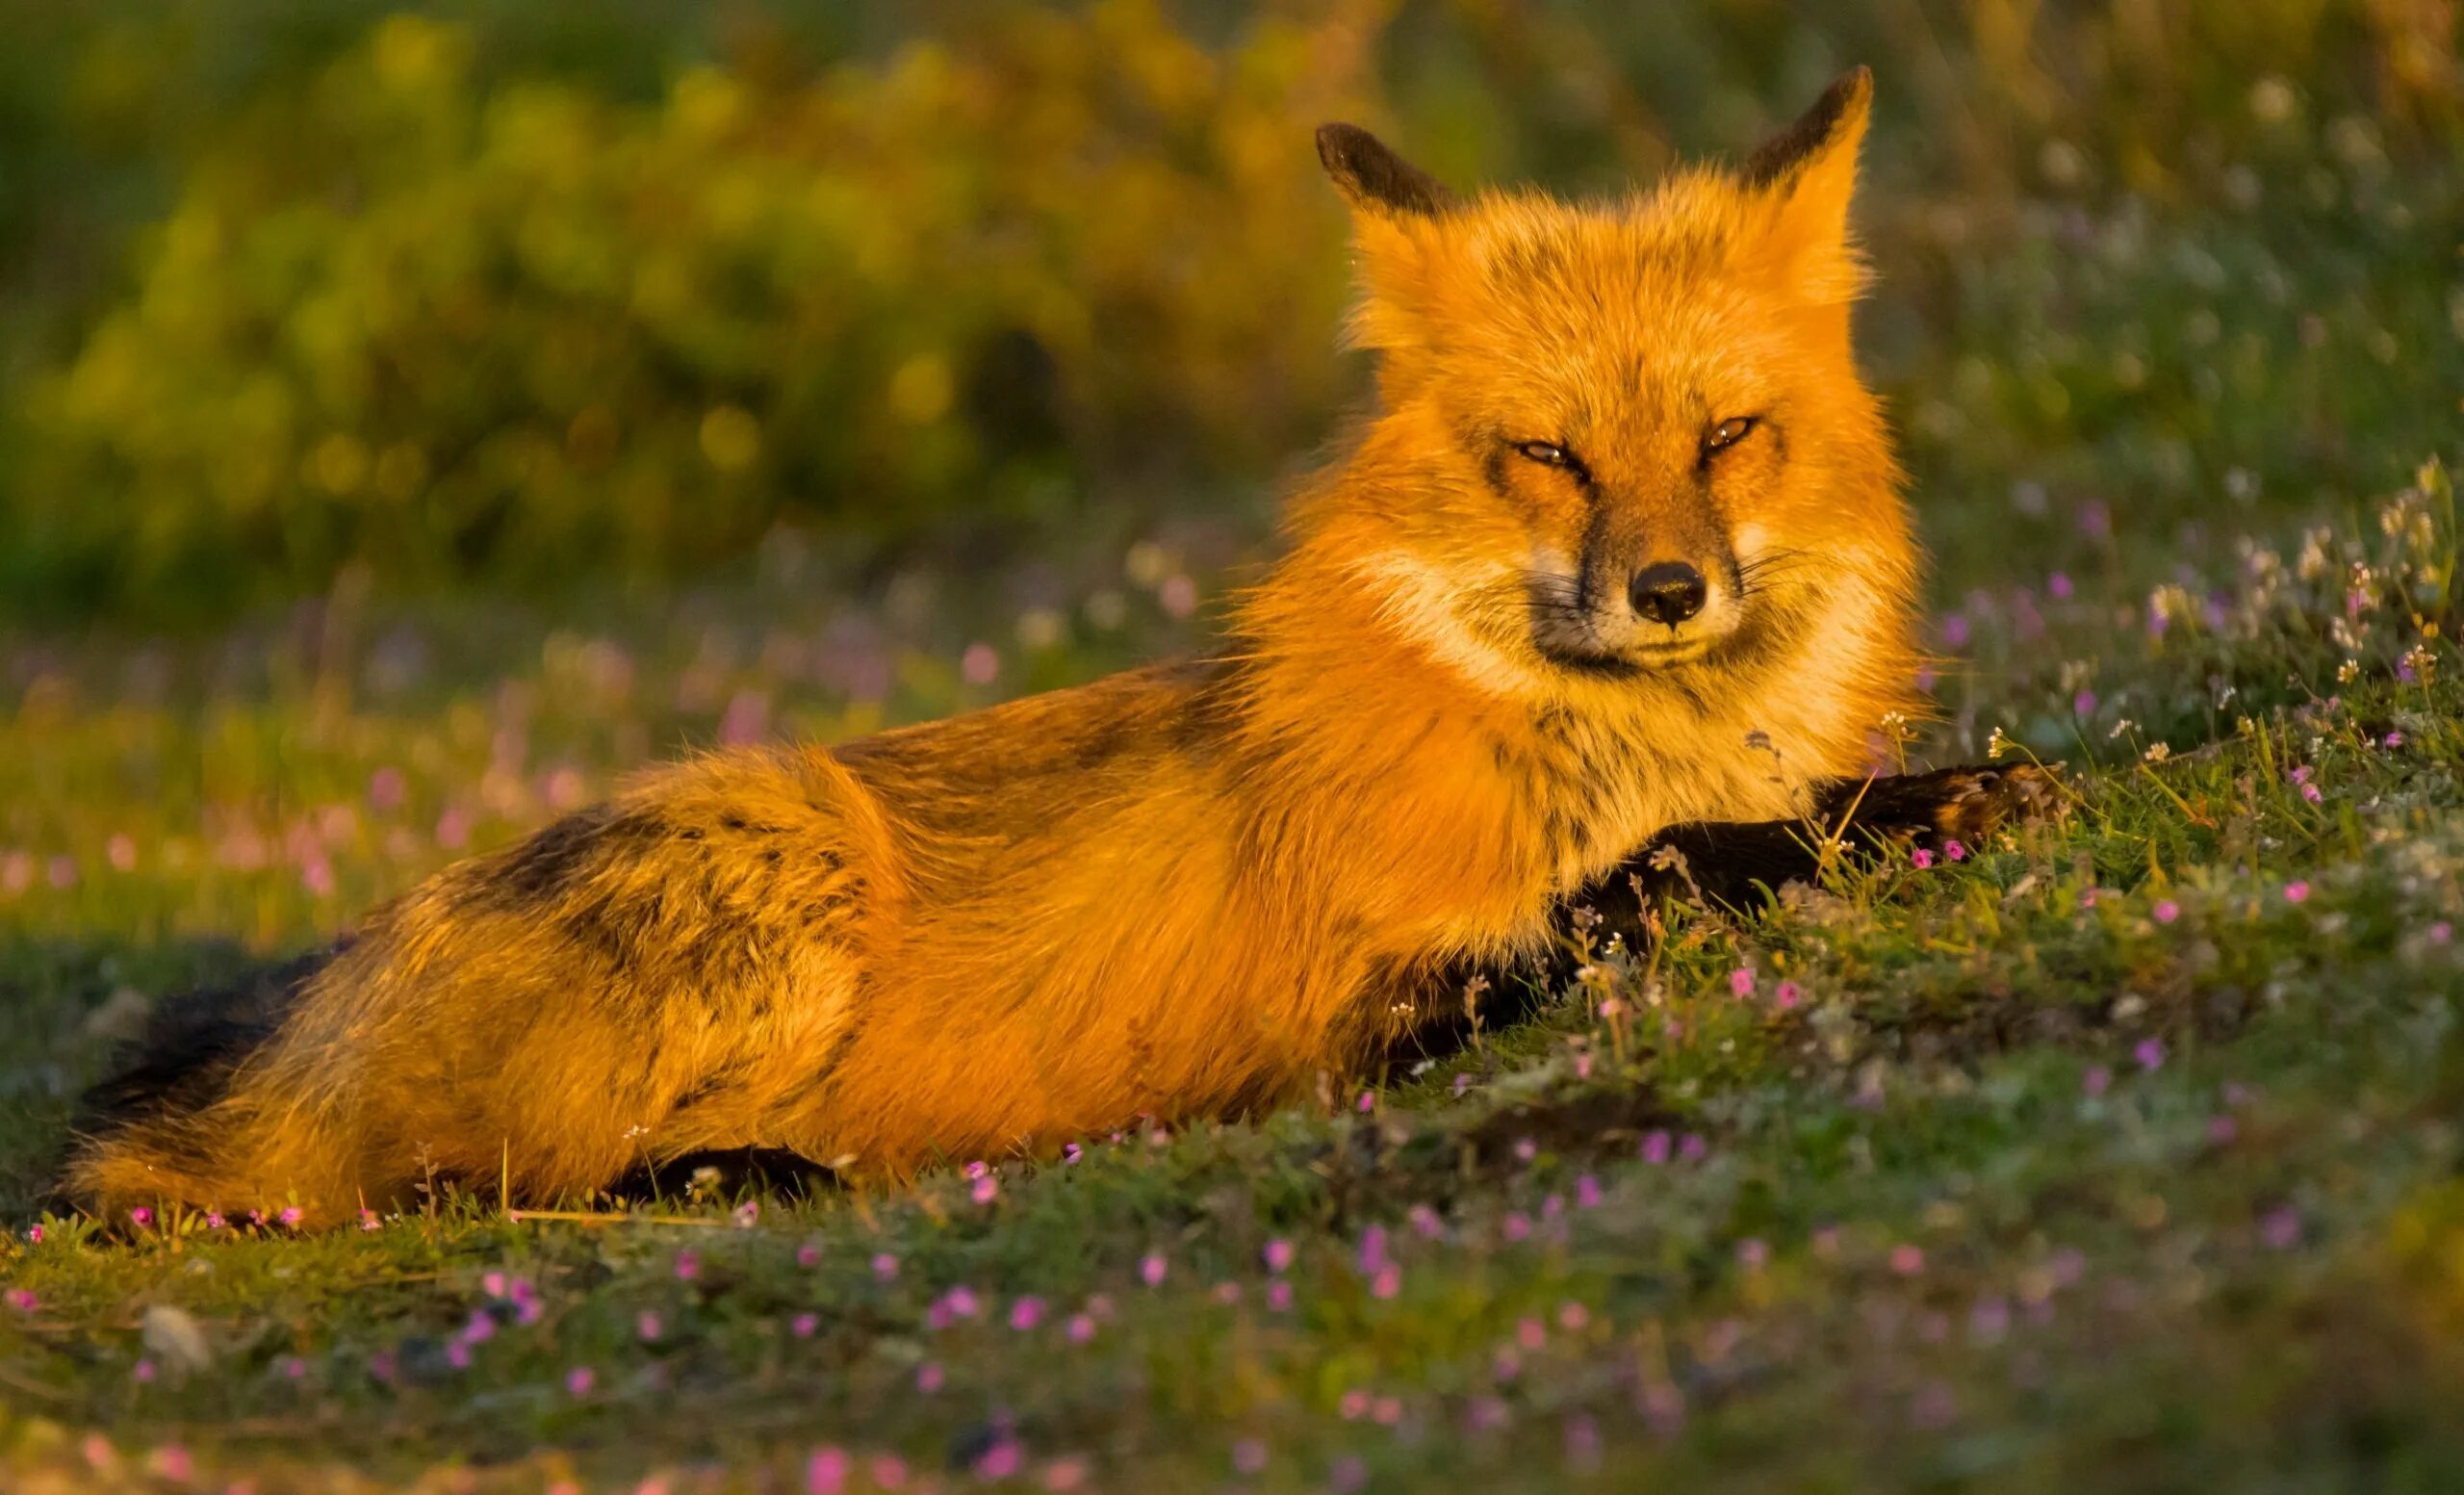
x=442, y=327
x=1005, y=269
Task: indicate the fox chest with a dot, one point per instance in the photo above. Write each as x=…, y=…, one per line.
x=1598, y=793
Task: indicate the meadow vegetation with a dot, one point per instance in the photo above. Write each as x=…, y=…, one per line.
x=415, y=422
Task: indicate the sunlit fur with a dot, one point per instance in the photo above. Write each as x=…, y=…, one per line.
x=1192, y=889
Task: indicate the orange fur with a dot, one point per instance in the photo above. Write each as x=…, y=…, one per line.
x=1190, y=889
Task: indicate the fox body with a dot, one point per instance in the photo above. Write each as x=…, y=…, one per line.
x=1620, y=549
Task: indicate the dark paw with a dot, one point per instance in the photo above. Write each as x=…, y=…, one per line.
x=1977, y=803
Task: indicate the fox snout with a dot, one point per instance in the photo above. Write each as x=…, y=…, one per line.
x=1619, y=617
x=1668, y=591
x=1672, y=595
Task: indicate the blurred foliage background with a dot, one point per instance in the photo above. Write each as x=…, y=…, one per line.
x=513, y=294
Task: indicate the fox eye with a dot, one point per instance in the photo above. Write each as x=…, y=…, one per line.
x=1728, y=433
x=1548, y=454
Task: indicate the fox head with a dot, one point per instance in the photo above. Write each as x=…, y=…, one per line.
x=1623, y=441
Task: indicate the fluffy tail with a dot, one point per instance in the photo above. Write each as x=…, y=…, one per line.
x=163, y=1126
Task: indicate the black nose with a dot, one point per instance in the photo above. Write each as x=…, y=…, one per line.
x=1669, y=591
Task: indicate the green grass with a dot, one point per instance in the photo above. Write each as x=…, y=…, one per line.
x=2032, y=1189
x=2123, y=1155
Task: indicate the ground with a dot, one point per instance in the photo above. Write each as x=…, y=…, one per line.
x=2121, y=1153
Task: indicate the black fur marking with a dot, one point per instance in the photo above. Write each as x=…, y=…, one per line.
x=546, y=867
x=540, y=866
x=1368, y=174
x=615, y=929
x=195, y=1043
x=1217, y=681
x=710, y=1086
x=1493, y=469
x=1599, y=666
x=1783, y=153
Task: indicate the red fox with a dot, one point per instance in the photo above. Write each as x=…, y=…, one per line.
x=1618, y=555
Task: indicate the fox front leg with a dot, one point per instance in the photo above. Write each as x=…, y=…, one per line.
x=1735, y=863
x=1738, y=864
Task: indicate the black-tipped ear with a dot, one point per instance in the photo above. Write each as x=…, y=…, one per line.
x=1370, y=175
x=1838, y=115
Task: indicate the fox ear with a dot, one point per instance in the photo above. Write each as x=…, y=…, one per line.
x=1807, y=173
x=1396, y=208
x=1372, y=178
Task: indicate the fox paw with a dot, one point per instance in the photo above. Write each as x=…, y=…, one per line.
x=1978, y=801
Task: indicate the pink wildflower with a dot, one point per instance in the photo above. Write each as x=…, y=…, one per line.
x=1001, y=1460
x=825, y=1471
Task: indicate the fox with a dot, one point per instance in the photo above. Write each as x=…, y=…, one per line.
x=1614, y=564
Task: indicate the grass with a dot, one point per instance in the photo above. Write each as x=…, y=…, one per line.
x=2123, y=1154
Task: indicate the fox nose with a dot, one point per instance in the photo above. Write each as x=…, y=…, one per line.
x=1669, y=591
